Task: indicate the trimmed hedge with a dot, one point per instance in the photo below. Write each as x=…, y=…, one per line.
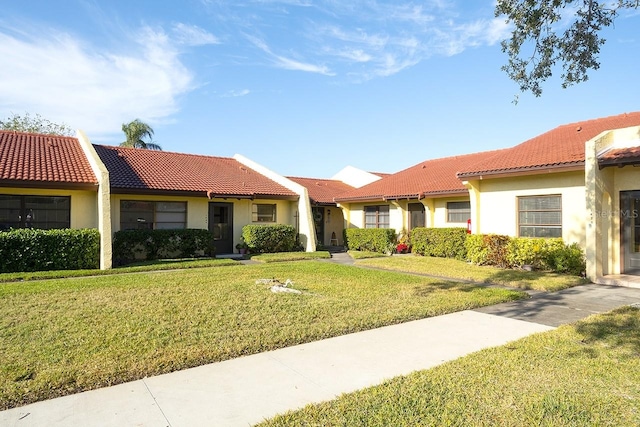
x=379, y=240
x=516, y=252
x=129, y=245
x=439, y=242
x=41, y=250
x=270, y=238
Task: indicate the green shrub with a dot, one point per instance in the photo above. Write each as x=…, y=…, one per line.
x=523, y=251
x=476, y=249
x=565, y=259
x=439, y=242
x=488, y=249
x=39, y=250
x=270, y=238
x=540, y=253
x=379, y=240
x=129, y=245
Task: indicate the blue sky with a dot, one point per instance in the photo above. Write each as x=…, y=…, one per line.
x=302, y=87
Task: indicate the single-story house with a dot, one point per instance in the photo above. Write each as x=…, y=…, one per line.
x=425, y=195
x=66, y=182
x=578, y=181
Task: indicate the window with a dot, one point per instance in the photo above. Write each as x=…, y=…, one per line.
x=458, y=211
x=263, y=213
x=45, y=212
x=138, y=214
x=540, y=216
x=376, y=216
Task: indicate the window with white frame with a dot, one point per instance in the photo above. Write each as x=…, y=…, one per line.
x=263, y=212
x=540, y=216
x=458, y=211
x=376, y=216
x=44, y=212
x=143, y=214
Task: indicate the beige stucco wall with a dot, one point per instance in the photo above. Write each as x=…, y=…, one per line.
x=440, y=212
x=198, y=211
x=197, y=208
x=354, y=214
x=497, y=203
x=300, y=216
x=84, y=204
x=603, y=187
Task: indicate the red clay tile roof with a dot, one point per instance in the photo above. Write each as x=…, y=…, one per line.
x=562, y=147
x=620, y=157
x=428, y=178
x=322, y=191
x=46, y=160
x=133, y=170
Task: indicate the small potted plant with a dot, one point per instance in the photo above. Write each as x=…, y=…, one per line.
x=242, y=247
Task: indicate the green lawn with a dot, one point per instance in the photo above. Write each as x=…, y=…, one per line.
x=454, y=269
x=166, y=264
x=587, y=374
x=61, y=336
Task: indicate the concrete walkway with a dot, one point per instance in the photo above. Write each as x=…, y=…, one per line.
x=247, y=390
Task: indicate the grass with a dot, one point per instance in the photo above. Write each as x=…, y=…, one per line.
x=365, y=254
x=166, y=264
x=587, y=374
x=291, y=256
x=62, y=336
x=455, y=269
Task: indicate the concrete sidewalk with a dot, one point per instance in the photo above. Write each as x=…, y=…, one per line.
x=244, y=391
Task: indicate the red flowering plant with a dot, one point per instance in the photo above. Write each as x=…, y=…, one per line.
x=402, y=248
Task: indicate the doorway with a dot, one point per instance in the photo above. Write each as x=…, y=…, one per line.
x=417, y=215
x=221, y=225
x=318, y=220
x=630, y=231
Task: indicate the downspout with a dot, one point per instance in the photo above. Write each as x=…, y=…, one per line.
x=104, y=200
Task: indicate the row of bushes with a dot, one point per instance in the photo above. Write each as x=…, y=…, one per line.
x=38, y=250
x=518, y=252
x=482, y=249
x=129, y=245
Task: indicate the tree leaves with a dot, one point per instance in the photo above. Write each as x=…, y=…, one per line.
x=136, y=132
x=537, y=29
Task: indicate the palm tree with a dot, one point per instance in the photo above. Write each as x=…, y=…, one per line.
x=136, y=133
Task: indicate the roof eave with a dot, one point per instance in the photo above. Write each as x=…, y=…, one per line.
x=54, y=185
x=198, y=193
x=524, y=171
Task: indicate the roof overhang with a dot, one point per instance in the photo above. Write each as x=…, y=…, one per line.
x=631, y=161
x=533, y=170
x=49, y=185
x=207, y=194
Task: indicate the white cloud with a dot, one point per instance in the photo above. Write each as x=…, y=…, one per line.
x=289, y=63
x=192, y=35
x=54, y=74
x=236, y=93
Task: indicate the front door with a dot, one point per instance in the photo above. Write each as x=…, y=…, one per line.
x=318, y=220
x=630, y=230
x=221, y=225
x=417, y=215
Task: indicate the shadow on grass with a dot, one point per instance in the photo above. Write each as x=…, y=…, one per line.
x=618, y=328
x=427, y=289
